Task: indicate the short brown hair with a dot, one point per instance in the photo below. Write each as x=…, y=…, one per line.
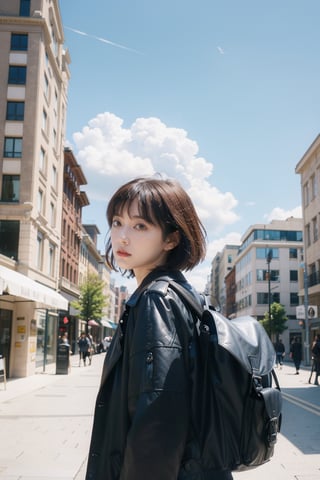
x=165, y=203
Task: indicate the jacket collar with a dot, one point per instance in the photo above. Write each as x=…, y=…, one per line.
x=150, y=278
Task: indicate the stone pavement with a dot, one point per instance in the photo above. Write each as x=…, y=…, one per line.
x=46, y=419
x=45, y=423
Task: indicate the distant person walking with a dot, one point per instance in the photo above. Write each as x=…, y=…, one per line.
x=280, y=352
x=84, y=348
x=296, y=353
x=315, y=350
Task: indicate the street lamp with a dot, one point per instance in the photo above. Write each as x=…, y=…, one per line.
x=269, y=258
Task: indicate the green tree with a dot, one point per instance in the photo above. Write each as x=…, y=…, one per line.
x=91, y=301
x=277, y=324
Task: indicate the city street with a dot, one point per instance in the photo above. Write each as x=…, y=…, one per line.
x=46, y=420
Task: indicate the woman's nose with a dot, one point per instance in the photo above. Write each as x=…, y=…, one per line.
x=124, y=236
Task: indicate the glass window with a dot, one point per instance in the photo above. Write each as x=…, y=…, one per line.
x=51, y=259
x=17, y=75
x=293, y=275
x=40, y=201
x=293, y=253
x=9, y=238
x=24, y=8
x=15, y=111
x=42, y=160
x=275, y=297
x=262, y=298
x=315, y=229
x=10, y=191
x=44, y=121
x=19, y=41
x=294, y=298
x=263, y=252
x=40, y=250
x=46, y=86
x=12, y=147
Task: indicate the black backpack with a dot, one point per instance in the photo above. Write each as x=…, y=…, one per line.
x=237, y=414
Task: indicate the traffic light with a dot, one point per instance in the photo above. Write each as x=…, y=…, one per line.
x=302, y=324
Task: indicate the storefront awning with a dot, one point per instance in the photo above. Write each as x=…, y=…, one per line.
x=106, y=323
x=14, y=283
x=93, y=323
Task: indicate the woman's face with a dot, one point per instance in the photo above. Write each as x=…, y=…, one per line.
x=137, y=244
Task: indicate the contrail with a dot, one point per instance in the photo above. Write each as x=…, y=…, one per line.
x=103, y=40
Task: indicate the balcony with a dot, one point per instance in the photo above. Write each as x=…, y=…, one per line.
x=314, y=279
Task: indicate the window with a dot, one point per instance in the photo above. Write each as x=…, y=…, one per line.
x=308, y=235
x=42, y=160
x=12, y=147
x=17, y=75
x=313, y=186
x=294, y=298
x=19, y=41
x=44, y=121
x=40, y=201
x=262, y=298
x=293, y=275
x=15, y=111
x=275, y=297
x=24, y=8
x=263, y=252
x=46, y=86
x=51, y=259
x=10, y=191
x=54, y=177
x=306, y=194
x=39, y=250
x=9, y=238
x=315, y=229
x=262, y=275
x=52, y=215
x=293, y=253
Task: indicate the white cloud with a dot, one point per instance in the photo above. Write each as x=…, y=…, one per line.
x=111, y=154
x=280, y=214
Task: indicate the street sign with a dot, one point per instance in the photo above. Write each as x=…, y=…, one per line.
x=312, y=312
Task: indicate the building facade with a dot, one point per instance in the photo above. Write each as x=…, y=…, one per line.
x=34, y=76
x=309, y=170
x=270, y=253
x=222, y=264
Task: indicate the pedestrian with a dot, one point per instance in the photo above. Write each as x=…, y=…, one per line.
x=142, y=423
x=280, y=352
x=84, y=346
x=315, y=350
x=296, y=353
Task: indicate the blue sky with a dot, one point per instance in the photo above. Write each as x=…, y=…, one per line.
x=223, y=95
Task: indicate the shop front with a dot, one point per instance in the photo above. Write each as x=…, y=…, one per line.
x=29, y=314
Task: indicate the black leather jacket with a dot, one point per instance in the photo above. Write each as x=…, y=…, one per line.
x=142, y=424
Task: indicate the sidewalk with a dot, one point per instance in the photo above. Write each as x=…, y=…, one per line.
x=46, y=420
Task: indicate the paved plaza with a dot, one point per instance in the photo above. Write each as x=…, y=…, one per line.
x=46, y=420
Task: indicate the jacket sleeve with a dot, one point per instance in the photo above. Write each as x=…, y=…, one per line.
x=158, y=402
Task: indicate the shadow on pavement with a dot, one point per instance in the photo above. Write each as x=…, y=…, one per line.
x=300, y=421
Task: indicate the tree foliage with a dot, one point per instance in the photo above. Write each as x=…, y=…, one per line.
x=277, y=324
x=91, y=301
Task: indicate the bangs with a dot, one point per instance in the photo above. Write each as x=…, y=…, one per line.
x=145, y=201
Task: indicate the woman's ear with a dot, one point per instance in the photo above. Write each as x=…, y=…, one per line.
x=172, y=240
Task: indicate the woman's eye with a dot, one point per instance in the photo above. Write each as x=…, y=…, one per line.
x=140, y=226
x=115, y=223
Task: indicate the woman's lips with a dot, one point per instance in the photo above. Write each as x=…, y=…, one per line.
x=122, y=253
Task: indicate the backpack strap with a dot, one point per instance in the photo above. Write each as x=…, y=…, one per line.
x=185, y=294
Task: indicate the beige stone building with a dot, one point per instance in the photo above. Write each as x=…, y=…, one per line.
x=309, y=170
x=34, y=77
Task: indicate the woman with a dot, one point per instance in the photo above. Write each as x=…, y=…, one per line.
x=296, y=353
x=143, y=424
